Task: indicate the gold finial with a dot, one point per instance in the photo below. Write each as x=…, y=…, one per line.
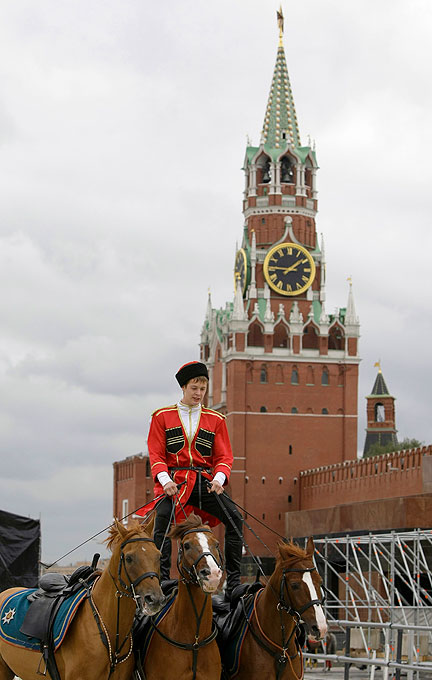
x=350, y=280
x=280, y=20
x=377, y=364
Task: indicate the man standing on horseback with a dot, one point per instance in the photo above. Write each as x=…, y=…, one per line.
x=189, y=445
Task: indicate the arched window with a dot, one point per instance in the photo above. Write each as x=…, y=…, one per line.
x=310, y=376
x=324, y=411
x=263, y=169
x=336, y=338
x=263, y=409
x=325, y=376
x=279, y=375
x=379, y=413
x=287, y=170
x=310, y=337
x=280, y=337
x=255, y=335
x=294, y=376
x=294, y=409
x=263, y=374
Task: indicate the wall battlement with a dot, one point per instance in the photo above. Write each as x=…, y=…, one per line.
x=401, y=473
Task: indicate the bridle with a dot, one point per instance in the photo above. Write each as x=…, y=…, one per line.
x=190, y=574
x=123, y=589
x=129, y=590
x=281, y=656
x=286, y=606
x=190, y=577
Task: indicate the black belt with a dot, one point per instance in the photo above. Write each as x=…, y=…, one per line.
x=199, y=470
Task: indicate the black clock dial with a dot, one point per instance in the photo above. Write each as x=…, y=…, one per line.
x=240, y=269
x=289, y=269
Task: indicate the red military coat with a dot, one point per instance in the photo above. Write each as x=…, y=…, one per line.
x=169, y=447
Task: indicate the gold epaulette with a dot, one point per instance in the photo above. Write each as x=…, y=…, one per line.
x=173, y=407
x=216, y=413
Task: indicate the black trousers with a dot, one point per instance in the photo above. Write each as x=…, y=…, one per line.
x=227, y=514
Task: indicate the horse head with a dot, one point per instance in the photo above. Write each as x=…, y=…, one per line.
x=299, y=587
x=135, y=565
x=199, y=558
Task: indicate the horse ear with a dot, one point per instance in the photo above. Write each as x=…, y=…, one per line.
x=310, y=547
x=120, y=527
x=149, y=526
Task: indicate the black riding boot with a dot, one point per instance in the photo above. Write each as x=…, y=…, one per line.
x=163, y=514
x=233, y=555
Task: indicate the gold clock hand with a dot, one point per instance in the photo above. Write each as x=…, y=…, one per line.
x=293, y=266
x=285, y=269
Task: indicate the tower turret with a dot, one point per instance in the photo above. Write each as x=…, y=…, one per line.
x=381, y=417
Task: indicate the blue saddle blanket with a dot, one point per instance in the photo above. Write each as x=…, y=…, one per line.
x=14, y=609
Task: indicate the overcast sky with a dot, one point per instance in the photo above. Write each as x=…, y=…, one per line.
x=123, y=128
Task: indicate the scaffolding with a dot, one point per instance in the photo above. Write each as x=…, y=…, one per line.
x=379, y=596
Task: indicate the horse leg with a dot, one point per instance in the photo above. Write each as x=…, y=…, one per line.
x=5, y=671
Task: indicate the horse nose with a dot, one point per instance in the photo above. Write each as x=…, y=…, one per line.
x=204, y=572
x=154, y=599
x=315, y=632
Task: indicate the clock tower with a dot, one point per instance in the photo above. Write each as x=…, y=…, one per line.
x=282, y=369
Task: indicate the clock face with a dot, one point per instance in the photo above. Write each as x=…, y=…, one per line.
x=240, y=269
x=289, y=269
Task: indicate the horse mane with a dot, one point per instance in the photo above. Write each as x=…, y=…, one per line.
x=118, y=533
x=290, y=553
x=192, y=522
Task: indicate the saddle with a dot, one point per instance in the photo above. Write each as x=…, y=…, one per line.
x=45, y=603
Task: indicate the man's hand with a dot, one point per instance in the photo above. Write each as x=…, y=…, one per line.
x=170, y=488
x=216, y=487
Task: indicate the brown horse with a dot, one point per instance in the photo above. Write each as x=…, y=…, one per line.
x=183, y=644
x=292, y=594
x=131, y=577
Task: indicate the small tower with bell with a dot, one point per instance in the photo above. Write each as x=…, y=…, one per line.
x=381, y=418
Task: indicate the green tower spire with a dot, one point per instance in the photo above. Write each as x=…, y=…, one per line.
x=280, y=123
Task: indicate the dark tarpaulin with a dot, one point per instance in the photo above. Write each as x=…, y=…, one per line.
x=19, y=551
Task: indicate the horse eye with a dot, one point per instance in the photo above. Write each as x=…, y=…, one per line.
x=129, y=559
x=186, y=546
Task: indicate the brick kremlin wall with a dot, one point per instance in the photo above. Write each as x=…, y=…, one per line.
x=391, y=491
x=402, y=473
